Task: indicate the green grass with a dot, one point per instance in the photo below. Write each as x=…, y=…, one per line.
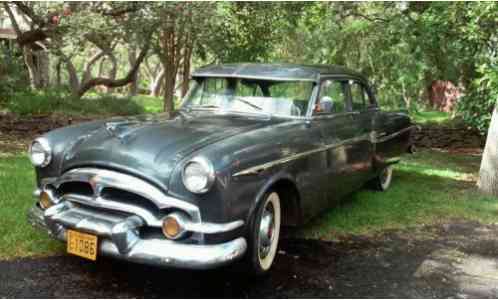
x=17, y=237
x=50, y=101
x=424, y=117
x=427, y=188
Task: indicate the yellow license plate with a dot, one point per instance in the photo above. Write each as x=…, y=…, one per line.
x=82, y=244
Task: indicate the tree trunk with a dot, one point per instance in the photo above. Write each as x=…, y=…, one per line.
x=155, y=88
x=58, y=79
x=114, y=70
x=169, y=62
x=169, y=91
x=186, y=70
x=132, y=57
x=488, y=175
x=74, y=82
x=31, y=64
x=87, y=75
x=43, y=68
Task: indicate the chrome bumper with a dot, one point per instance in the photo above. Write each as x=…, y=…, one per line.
x=118, y=237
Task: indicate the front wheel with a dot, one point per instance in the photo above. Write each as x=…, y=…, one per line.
x=383, y=181
x=264, y=234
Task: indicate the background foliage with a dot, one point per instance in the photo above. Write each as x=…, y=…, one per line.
x=403, y=47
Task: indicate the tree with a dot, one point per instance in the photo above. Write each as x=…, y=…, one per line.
x=70, y=29
x=180, y=26
x=488, y=174
x=35, y=55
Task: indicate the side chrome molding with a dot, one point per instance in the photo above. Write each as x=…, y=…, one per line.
x=373, y=137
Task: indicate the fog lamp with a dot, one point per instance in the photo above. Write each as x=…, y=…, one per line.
x=173, y=227
x=45, y=200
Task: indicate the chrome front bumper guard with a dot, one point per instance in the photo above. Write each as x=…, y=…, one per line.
x=119, y=238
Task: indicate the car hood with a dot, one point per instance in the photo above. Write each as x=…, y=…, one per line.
x=151, y=146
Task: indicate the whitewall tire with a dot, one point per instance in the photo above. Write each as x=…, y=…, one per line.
x=265, y=233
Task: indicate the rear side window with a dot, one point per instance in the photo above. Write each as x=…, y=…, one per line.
x=332, y=97
x=358, y=96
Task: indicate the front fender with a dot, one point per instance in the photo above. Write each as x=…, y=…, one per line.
x=268, y=184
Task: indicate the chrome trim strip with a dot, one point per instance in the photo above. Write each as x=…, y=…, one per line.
x=166, y=253
x=228, y=75
x=149, y=218
x=382, y=137
x=372, y=137
x=101, y=178
x=100, y=202
x=210, y=228
x=334, y=115
x=259, y=168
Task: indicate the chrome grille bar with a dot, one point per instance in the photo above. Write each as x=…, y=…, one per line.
x=101, y=178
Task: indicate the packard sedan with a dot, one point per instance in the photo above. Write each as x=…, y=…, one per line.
x=253, y=147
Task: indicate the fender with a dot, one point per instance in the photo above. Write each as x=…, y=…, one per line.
x=280, y=175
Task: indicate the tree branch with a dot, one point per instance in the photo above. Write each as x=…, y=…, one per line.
x=108, y=82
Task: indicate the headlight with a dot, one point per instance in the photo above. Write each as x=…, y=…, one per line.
x=198, y=175
x=40, y=152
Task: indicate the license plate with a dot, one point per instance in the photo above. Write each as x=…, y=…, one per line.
x=82, y=244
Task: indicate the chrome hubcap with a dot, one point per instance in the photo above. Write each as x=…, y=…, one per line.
x=266, y=230
x=385, y=177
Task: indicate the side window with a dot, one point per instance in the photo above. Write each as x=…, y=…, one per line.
x=332, y=98
x=358, y=96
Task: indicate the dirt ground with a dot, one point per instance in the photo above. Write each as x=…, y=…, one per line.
x=17, y=132
x=457, y=260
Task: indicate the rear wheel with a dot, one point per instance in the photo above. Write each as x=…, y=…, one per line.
x=383, y=181
x=264, y=234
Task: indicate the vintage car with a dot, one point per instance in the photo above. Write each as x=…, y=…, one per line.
x=253, y=147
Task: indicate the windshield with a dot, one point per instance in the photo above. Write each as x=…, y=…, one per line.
x=284, y=98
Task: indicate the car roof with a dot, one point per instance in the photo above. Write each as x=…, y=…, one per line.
x=274, y=71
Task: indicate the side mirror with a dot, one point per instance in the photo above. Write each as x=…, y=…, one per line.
x=326, y=104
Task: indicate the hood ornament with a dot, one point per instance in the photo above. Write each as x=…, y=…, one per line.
x=111, y=129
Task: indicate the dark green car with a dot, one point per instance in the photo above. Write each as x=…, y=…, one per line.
x=252, y=148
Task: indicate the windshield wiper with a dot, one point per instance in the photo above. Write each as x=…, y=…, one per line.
x=204, y=106
x=248, y=103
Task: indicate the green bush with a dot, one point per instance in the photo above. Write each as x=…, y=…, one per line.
x=477, y=105
x=55, y=101
x=13, y=76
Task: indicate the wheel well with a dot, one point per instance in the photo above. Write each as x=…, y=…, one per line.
x=290, y=202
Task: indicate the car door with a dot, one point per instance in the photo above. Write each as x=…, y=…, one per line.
x=364, y=111
x=338, y=128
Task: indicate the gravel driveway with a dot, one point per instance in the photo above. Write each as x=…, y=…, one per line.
x=457, y=260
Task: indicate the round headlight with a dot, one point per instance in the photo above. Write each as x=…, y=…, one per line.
x=40, y=153
x=198, y=175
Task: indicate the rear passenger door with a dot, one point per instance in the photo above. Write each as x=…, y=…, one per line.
x=364, y=111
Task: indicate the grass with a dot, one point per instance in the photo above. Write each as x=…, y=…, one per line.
x=424, y=117
x=50, y=101
x=17, y=237
x=428, y=187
